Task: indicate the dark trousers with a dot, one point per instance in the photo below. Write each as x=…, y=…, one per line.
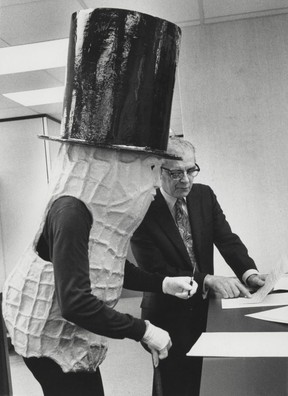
x=180, y=375
x=55, y=382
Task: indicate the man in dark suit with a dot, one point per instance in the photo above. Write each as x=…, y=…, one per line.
x=177, y=237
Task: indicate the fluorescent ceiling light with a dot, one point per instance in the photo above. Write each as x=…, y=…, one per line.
x=37, y=96
x=37, y=56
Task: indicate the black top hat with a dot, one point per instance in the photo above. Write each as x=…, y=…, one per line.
x=120, y=81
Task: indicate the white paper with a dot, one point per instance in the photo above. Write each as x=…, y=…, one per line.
x=282, y=283
x=272, y=278
x=254, y=344
x=242, y=302
x=279, y=315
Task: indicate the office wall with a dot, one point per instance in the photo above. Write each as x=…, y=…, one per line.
x=52, y=128
x=231, y=100
x=23, y=186
x=233, y=80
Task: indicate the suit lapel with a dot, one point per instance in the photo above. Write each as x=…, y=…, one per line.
x=163, y=217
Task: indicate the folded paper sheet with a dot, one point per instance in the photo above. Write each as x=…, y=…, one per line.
x=279, y=315
x=270, y=300
x=273, y=277
x=276, y=280
x=257, y=344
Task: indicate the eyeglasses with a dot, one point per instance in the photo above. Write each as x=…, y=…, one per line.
x=179, y=174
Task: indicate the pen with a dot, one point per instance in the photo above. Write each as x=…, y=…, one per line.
x=191, y=283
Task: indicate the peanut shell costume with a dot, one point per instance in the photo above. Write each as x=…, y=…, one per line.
x=120, y=78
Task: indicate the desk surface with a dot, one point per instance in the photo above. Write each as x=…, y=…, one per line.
x=242, y=376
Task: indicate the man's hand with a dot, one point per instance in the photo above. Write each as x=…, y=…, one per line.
x=158, y=341
x=256, y=280
x=179, y=286
x=226, y=287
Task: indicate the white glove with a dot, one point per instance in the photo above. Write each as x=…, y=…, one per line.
x=157, y=340
x=179, y=286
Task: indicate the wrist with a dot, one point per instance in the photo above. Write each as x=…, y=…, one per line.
x=147, y=333
x=164, y=284
x=248, y=274
x=155, y=337
x=207, y=281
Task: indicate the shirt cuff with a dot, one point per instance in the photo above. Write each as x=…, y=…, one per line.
x=205, y=289
x=246, y=275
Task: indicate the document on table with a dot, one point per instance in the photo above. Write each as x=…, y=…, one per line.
x=254, y=344
x=275, y=280
x=279, y=315
x=242, y=302
x=272, y=278
x=282, y=283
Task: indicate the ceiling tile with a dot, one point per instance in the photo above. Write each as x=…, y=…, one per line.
x=31, y=80
x=2, y=44
x=174, y=11
x=36, y=21
x=7, y=103
x=6, y=3
x=54, y=110
x=15, y=112
x=220, y=8
x=30, y=21
x=58, y=74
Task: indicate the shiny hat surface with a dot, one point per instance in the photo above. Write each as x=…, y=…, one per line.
x=119, y=81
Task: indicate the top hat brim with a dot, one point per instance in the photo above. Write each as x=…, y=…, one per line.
x=120, y=147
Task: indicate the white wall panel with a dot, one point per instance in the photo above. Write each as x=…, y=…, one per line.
x=234, y=93
x=23, y=186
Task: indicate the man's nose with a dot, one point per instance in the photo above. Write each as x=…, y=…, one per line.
x=185, y=177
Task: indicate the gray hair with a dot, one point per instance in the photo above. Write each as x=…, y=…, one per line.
x=179, y=146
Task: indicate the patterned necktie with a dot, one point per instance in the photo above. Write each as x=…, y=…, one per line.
x=183, y=224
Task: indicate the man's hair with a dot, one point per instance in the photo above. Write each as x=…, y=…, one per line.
x=179, y=146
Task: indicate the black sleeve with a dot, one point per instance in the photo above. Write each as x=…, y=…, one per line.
x=66, y=233
x=136, y=278
x=228, y=243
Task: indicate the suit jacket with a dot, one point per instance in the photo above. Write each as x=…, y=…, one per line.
x=158, y=246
